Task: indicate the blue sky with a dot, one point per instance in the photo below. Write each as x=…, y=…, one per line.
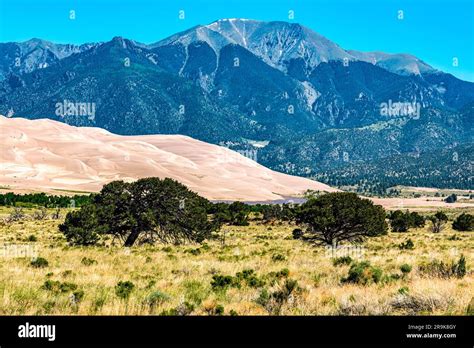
x=433, y=30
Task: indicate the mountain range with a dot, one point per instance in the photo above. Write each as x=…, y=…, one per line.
x=305, y=104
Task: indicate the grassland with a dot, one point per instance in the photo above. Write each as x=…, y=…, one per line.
x=177, y=279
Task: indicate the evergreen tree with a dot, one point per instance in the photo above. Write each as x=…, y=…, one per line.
x=464, y=222
x=438, y=221
x=151, y=208
x=336, y=217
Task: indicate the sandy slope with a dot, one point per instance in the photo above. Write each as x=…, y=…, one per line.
x=45, y=154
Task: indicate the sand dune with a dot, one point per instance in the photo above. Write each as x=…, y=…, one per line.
x=45, y=154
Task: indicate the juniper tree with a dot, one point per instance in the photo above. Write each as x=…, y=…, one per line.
x=464, y=222
x=151, y=208
x=341, y=216
x=438, y=221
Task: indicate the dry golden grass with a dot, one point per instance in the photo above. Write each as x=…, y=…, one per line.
x=184, y=275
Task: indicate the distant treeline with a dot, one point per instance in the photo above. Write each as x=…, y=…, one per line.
x=43, y=200
x=441, y=168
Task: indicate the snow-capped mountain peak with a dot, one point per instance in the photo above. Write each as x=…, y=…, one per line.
x=279, y=43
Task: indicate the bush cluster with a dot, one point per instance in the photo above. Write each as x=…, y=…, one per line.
x=407, y=245
x=402, y=221
x=343, y=260
x=464, y=222
x=57, y=286
x=39, y=262
x=123, y=289
x=363, y=273
x=440, y=269
x=274, y=301
x=247, y=277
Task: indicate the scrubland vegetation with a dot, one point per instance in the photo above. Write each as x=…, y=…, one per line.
x=268, y=265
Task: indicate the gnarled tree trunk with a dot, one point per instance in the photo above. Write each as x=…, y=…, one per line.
x=132, y=237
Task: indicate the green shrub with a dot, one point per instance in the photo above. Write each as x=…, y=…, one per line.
x=221, y=282
x=48, y=306
x=451, y=198
x=195, y=292
x=435, y=268
x=274, y=277
x=470, y=307
x=278, y=257
x=405, y=268
x=454, y=237
x=363, y=273
x=218, y=310
x=66, y=287
x=156, y=298
x=440, y=269
x=399, y=221
x=274, y=301
x=407, y=245
x=57, y=286
x=403, y=291
x=51, y=285
x=343, y=260
x=124, y=289
x=438, y=221
x=39, y=262
x=150, y=284
x=285, y=272
x=247, y=277
x=195, y=252
x=183, y=309
x=297, y=233
x=78, y=295
x=459, y=268
x=263, y=298
x=236, y=213
x=81, y=227
x=66, y=273
x=99, y=301
x=402, y=221
x=391, y=277
x=32, y=238
x=88, y=262
x=464, y=222
x=416, y=220
x=250, y=278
